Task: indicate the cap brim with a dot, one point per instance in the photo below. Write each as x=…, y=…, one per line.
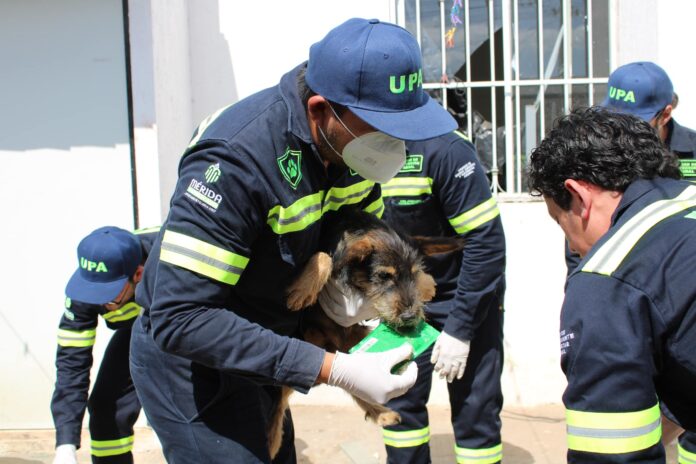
x=98, y=293
x=425, y=122
x=644, y=115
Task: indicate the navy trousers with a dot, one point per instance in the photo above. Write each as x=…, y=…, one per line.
x=202, y=414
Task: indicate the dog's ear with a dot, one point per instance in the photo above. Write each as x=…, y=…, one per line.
x=430, y=246
x=426, y=286
x=360, y=249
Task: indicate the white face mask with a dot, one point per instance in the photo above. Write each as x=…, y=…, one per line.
x=375, y=156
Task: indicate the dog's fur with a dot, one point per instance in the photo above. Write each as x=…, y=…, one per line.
x=367, y=255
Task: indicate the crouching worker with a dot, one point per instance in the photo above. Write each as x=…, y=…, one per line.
x=110, y=266
x=628, y=322
x=215, y=342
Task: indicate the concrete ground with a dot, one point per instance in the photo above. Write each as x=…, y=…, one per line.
x=339, y=435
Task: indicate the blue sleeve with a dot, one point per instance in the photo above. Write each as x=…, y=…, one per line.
x=463, y=189
x=206, y=244
x=607, y=355
x=76, y=337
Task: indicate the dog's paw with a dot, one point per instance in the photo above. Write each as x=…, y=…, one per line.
x=388, y=418
x=299, y=298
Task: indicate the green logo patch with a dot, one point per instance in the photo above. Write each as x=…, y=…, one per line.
x=414, y=163
x=212, y=174
x=290, y=166
x=691, y=215
x=688, y=167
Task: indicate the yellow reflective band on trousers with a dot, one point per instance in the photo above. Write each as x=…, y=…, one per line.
x=475, y=217
x=127, y=311
x=610, y=255
x=686, y=457
x=407, y=187
x=613, y=433
x=202, y=257
x=308, y=210
x=376, y=207
x=406, y=438
x=77, y=338
x=102, y=448
x=479, y=455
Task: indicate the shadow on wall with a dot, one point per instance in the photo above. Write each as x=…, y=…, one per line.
x=66, y=85
x=212, y=74
x=19, y=461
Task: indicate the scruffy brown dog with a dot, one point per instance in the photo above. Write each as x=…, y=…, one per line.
x=368, y=256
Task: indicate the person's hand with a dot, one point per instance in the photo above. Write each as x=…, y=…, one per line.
x=449, y=356
x=368, y=375
x=65, y=454
x=344, y=307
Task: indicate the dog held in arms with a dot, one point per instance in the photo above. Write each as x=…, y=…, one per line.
x=365, y=255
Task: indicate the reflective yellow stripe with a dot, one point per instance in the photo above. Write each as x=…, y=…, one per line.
x=127, y=311
x=686, y=457
x=202, y=257
x=341, y=196
x=297, y=216
x=407, y=187
x=147, y=230
x=613, y=433
x=463, y=135
x=101, y=448
x=204, y=125
x=77, y=338
x=479, y=456
x=376, y=207
x=307, y=210
x=406, y=438
x=610, y=255
x=475, y=217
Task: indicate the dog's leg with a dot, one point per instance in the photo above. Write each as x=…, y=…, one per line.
x=275, y=429
x=378, y=413
x=304, y=290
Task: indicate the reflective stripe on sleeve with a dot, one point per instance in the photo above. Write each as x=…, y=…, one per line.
x=407, y=187
x=341, y=196
x=202, y=257
x=476, y=216
x=102, y=448
x=613, y=433
x=479, y=456
x=126, y=312
x=376, y=207
x=297, y=216
x=406, y=438
x=686, y=457
x=610, y=255
x=77, y=338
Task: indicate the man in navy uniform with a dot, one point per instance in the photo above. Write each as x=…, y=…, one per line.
x=628, y=322
x=216, y=341
x=110, y=265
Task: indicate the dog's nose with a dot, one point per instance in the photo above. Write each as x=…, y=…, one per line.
x=409, y=317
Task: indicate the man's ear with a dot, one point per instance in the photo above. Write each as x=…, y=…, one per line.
x=665, y=116
x=318, y=109
x=581, y=197
x=138, y=275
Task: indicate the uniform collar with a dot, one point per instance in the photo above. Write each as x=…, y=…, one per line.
x=678, y=139
x=297, y=115
x=636, y=190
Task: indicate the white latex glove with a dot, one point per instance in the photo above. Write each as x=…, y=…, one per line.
x=343, y=306
x=449, y=356
x=368, y=375
x=65, y=454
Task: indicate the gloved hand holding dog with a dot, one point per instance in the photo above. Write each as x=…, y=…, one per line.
x=449, y=356
x=368, y=375
x=65, y=454
x=343, y=306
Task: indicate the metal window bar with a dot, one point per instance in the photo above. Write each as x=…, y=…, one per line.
x=518, y=126
x=495, y=186
x=507, y=94
x=590, y=55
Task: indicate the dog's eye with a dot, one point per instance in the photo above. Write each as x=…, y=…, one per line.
x=384, y=275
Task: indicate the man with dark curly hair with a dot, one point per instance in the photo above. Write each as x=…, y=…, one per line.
x=628, y=322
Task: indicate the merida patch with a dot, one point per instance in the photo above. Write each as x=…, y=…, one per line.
x=688, y=167
x=409, y=202
x=212, y=174
x=691, y=215
x=68, y=302
x=69, y=314
x=290, y=166
x=414, y=163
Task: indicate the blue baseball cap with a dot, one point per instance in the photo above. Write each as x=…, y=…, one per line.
x=374, y=69
x=106, y=258
x=641, y=89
